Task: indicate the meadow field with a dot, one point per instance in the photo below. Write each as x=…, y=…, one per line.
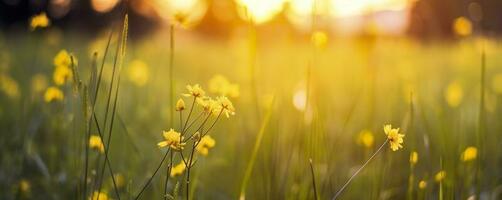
x=252, y=116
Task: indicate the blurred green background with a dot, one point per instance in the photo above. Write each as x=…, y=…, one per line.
x=335, y=84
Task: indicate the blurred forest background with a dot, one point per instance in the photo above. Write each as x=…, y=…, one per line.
x=425, y=19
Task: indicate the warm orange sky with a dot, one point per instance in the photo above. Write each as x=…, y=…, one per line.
x=298, y=12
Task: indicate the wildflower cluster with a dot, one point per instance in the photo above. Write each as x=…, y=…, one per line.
x=62, y=63
x=192, y=138
x=62, y=73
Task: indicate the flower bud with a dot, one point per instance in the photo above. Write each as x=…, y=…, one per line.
x=180, y=105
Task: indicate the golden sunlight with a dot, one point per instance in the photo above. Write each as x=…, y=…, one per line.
x=259, y=11
x=192, y=11
x=344, y=8
x=300, y=12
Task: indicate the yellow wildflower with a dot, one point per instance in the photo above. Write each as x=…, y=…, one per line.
x=180, y=105
x=62, y=74
x=63, y=58
x=172, y=139
x=178, y=169
x=184, y=13
x=226, y=106
x=138, y=72
x=454, y=94
x=394, y=137
x=208, y=104
x=462, y=26
x=180, y=19
x=95, y=142
x=440, y=176
x=9, y=86
x=39, y=21
x=195, y=91
x=205, y=144
x=470, y=153
x=53, y=94
x=413, y=158
x=38, y=83
x=365, y=138
x=24, y=186
x=422, y=184
x=319, y=39
x=98, y=196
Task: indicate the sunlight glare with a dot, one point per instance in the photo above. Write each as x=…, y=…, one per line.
x=193, y=10
x=300, y=100
x=260, y=11
x=344, y=8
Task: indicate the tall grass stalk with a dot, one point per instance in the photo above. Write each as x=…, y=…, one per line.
x=359, y=170
x=93, y=103
x=114, y=111
x=254, y=153
x=82, y=90
x=313, y=179
x=119, y=57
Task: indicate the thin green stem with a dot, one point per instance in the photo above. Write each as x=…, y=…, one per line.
x=98, y=84
x=121, y=48
x=153, y=175
x=254, y=153
x=189, y=167
x=212, y=125
x=109, y=142
x=200, y=126
x=88, y=133
x=181, y=119
x=359, y=170
x=313, y=179
x=168, y=174
x=193, y=121
x=189, y=115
